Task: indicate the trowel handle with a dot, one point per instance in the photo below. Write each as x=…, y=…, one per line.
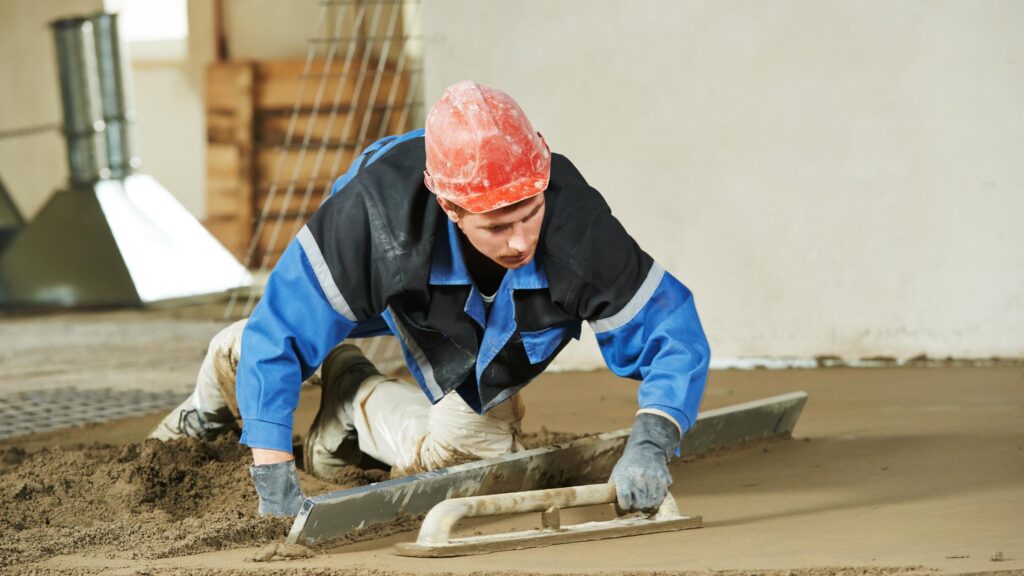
x=438, y=524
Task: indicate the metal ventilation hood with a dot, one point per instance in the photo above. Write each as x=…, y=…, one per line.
x=113, y=237
x=10, y=219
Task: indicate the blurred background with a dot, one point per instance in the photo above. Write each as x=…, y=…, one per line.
x=836, y=181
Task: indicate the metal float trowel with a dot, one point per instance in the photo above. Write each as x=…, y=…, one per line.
x=435, y=540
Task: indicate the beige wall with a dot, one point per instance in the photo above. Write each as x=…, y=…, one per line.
x=172, y=125
x=829, y=177
x=261, y=29
x=32, y=166
x=169, y=133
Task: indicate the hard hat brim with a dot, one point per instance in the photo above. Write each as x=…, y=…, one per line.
x=490, y=200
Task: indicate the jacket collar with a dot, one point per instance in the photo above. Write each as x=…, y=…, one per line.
x=448, y=267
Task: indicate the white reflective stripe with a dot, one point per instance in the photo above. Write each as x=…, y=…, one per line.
x=417, y=354
x=635, y=304
x=663, y=414
x=323, y=274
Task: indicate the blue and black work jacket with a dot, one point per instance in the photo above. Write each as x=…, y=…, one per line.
x=380, y=256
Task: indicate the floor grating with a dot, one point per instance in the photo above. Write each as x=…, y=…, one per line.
x=34, y=411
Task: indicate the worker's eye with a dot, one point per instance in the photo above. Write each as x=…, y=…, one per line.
x=497, y=229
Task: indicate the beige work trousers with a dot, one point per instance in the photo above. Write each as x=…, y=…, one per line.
x=395, y=422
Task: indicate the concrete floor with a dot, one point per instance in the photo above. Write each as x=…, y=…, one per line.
x=903, y=467
x=122, y=349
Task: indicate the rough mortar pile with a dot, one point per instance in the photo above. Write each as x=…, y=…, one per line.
x=152, y=499
x=142, y=500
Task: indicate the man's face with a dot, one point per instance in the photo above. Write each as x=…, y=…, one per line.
x=508, y=236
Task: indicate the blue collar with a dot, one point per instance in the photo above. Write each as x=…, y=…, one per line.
x=448, y=267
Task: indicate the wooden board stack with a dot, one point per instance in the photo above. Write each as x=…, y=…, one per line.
x=255, y=171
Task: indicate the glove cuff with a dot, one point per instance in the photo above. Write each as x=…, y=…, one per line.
x=663, y=414
x=263, y=471
x=277, y=486
x=656, y=431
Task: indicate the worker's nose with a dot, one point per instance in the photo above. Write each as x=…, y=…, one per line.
x=517, y=242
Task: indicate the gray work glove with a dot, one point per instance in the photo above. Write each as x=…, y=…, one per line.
x=277, y=485
x=641, y=476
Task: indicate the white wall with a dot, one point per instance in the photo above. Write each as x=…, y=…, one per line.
x=829, y=177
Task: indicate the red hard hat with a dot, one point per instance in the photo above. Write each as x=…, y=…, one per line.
x=482, y=152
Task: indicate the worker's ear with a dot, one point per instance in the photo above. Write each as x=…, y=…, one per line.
x=450, y=209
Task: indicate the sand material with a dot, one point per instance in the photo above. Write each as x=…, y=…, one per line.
x=141, y=500
x=279, y=551
x=151, y=499
x=545, y=437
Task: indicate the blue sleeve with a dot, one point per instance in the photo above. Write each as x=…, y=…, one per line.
x=658, y=338
x=288, y=335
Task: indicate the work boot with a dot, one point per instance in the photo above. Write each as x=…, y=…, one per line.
x=332, y=442
x=186, y=421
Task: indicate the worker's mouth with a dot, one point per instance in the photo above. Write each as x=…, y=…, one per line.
x=516, y=261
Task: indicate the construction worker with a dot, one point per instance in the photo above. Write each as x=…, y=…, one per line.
x=483, y=253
